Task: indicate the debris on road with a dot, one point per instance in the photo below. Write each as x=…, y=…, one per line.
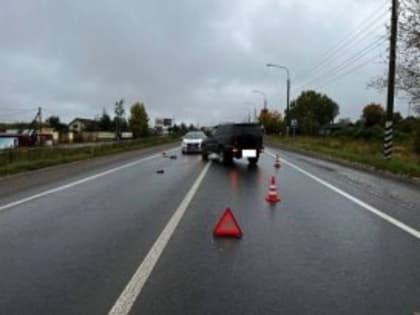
x=160, y=171
x=173, y=157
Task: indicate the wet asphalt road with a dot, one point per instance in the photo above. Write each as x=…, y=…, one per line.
x=75, y=250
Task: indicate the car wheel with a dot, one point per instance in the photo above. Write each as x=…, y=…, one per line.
x=205, y=156
x=253, y=161
x=225, y=158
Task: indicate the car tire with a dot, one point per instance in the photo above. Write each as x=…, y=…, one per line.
x=205, y=156
x=225, y=157
x=253, y=161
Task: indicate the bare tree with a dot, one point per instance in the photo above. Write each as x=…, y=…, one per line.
x=408, y=59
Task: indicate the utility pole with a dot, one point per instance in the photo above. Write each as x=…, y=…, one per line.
x=288, y=104
x=117, y=128
x=264, y=96
x=391, y=82
x=40, y=119
x=287, y=118
x=39, y=114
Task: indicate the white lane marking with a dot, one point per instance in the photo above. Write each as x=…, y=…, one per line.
x=379, y=213
x=127, y=298
x=78, y=182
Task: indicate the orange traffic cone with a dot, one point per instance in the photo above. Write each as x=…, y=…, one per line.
x=277, y=163
x=272, y=196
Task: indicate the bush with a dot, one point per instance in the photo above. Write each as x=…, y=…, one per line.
x=408, y=125
x=345, y=133
x=373, y=133
x=401, y=136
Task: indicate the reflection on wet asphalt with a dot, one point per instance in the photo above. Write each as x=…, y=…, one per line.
x=73, y=252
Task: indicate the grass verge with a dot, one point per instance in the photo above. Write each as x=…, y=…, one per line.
x=367, y=153
x=27, y=159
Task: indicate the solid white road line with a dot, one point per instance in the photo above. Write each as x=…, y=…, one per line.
x=357, y=201
x=78, y=182
x=127, y=298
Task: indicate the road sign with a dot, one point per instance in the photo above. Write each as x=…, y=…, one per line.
x=294, y=123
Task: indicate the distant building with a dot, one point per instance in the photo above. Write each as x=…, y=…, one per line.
x=8, y=141
x=50, y=134
x=79, y=125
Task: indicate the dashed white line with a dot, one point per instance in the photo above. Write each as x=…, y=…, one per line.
x=406, y=228
x=127, y=298
x=76, y=183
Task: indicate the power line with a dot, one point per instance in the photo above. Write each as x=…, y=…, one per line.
x=363, y=52
x=348, y=47
x=352, y=70
x=332, y=51
x=26, y=114
x=349, y=61
x=360, y=29
x=17, y=109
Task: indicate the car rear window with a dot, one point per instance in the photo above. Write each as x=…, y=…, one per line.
x=195, y=135
x=248, y=129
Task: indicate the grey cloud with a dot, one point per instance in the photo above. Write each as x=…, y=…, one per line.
x=192, y=60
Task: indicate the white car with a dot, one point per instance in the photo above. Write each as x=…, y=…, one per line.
x=191, y=143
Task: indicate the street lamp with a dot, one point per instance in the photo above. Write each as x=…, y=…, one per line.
x=251, y=109
x=263, y=94
x=288, y=88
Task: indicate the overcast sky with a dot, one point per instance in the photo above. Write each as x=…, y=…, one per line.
x=191, y=60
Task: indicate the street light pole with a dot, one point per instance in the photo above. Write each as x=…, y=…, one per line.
x=263, y=94
x=252, y=111
x=271, y=65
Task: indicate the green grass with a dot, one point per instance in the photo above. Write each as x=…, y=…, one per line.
x=27, y=159
x=369, y=153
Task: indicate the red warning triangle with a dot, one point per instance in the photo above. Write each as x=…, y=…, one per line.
x=227, y=226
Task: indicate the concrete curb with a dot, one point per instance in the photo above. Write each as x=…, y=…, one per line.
x=357, y=166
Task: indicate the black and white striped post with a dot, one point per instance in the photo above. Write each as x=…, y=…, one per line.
x=388, y=140
x=391, y=82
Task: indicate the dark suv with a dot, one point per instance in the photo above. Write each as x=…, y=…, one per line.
x=235, y=141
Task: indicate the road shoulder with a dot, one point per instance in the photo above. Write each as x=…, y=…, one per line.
x=396, y=198
x=357, y=166
x=34, y=180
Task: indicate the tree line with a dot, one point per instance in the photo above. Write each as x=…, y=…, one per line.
x=137, y=122
x=313, y=110
x=315, y=114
